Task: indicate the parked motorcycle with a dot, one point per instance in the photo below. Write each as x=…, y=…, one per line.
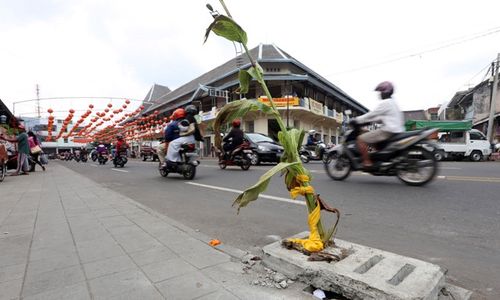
x=187, y=166
x=102, y=158
x=84, y=158
x=120, y=160
x=93, y=155
x=316, y=152
x=240, y=156
x=407, y=155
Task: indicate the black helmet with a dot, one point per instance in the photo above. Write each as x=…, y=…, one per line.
x=385, y=88
x=191, y=109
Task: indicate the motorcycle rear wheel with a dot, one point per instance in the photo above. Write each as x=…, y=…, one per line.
x=337, y=167
x=420, y=167
x=222, y=165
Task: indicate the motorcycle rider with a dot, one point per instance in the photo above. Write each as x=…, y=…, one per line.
x=189, y=133
x=120, y=146
x=387, y=113
x=101, y=149
x=233, y=139
x=171, y=133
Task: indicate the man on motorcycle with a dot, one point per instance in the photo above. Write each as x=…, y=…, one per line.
x=121, y=146
x=387, y=113
x=234, y=138
x=189, y=133
x=171, y=133
x=101, y=149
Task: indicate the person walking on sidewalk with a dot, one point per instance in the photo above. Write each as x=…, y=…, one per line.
x=35, y=151
x=23, y=150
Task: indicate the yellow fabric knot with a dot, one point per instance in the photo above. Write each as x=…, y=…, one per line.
x=301, y=190
x=302, y=178
x=313, y=243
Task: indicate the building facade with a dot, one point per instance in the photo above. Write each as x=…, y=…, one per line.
x=305, y=99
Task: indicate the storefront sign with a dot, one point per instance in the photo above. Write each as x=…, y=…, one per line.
x=209, y=115
x=281, y=102
x=316, y=107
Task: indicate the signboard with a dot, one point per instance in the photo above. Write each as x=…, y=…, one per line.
x=209, y=115
x=316, y=107
x=281, y=102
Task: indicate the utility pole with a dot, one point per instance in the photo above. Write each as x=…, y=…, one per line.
x=38, y=100
x=489, y=133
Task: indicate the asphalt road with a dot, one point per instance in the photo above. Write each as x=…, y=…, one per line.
x=453, y=221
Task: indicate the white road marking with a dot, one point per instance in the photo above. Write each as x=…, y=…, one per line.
x=239, y=192
x=125, y=171
x=441, y=177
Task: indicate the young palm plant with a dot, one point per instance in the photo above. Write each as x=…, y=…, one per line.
x=297, y=178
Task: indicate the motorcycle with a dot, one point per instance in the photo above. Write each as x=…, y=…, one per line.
x=407, y=155
x=186, y=167
x=240, y=156
x=93, y=155
x=315, y=152
x=120, y=159
x=102, y=158
x=84, y=158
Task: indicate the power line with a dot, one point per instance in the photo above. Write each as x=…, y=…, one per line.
x=420, y=53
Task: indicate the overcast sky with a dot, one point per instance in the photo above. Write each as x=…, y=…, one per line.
x=120, y=48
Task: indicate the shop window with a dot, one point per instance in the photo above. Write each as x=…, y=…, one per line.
x=249, y=126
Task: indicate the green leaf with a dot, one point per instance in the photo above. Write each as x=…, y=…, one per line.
x=257, y=73
x=227, y=28
x=234, y=110
x=253, y=192
x=244, y=81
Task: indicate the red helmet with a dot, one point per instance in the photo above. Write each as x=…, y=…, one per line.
x=385, y=88
x=236, y=123
x=178, y=113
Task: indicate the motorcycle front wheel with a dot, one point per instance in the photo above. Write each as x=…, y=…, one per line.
x=338, y=167
x=189, y=172
x=246, y=164
x=418, y=167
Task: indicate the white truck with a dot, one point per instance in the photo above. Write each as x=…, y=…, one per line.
x=471, y=144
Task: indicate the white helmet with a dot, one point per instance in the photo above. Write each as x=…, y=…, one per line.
x=312, y=131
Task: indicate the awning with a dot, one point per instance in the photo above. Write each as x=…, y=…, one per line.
x=441, y=125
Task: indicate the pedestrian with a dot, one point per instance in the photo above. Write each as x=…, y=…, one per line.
x=212, y=149
x=23, y=150
x=35, y=151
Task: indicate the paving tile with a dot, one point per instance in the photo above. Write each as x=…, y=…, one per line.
x=118, y=284
x=98, y=249
x=53, y=263
x=167, y=269
x=115, y=221
x=143, y=293
x=152, y=255
x=9, y=259
x=10, y=289
x=219, y=295
x=48, y=252
x=202, y=258
x=77, y=291
x=43, y=282
x=188, y=286
x=108, y=266
x=9, y=273
x=137, y=242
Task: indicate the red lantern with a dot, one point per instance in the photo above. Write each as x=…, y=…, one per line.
x=111, y=115
x=50, y=110
x=89, y=112
x=124, y=106
x=106, y=110
x=110, y=105
x=120, y=110
x=141, y=107
x=91, y=106
x=71, y=111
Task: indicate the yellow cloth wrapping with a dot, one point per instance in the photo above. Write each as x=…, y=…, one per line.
x=302, y=178
x=301, y=190
x=313, y=243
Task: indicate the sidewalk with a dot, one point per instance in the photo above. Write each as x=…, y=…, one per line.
x=63, y=236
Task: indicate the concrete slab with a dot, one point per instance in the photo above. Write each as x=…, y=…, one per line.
x=367, y=273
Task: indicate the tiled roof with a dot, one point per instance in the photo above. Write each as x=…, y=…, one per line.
x=263, y=53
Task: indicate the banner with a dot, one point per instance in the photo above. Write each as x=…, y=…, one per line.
x=281, y=102
x=316, y=107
